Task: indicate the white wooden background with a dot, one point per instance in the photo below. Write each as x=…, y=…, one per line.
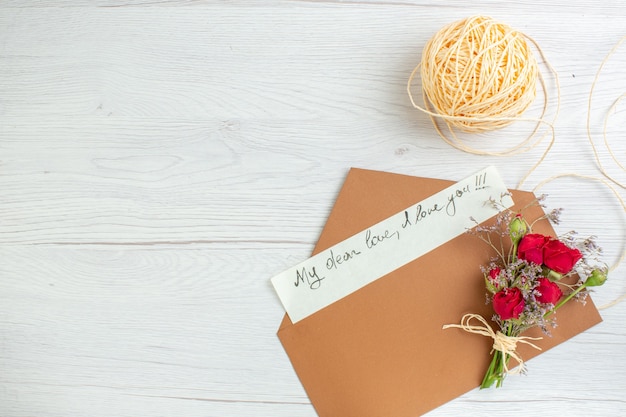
x=161, y=160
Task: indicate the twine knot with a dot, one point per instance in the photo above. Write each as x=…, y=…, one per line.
x=501, y=342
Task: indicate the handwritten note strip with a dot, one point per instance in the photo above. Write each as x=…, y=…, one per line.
x=380, y=249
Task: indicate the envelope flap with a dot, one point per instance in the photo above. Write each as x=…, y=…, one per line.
x=381, y=351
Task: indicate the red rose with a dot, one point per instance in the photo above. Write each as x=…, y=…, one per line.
x=549, y=292
x=559, y=257
x=508, y=303
x=494, y=272
x=531, y=248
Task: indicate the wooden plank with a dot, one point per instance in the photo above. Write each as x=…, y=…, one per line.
x=160, y=161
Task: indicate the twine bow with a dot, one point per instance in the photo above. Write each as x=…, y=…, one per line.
x=501, y=342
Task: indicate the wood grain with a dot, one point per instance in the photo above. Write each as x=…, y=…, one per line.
x=161, y=160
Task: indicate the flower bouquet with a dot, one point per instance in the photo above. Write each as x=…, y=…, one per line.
x=525, y=284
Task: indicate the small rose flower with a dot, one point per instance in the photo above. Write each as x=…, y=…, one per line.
x=494, y=273
x=549, y=292
x=491, y=280
x=559, y=257
x=531, y=248
x=508, y=303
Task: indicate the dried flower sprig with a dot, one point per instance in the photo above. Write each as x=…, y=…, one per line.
x=525, y=283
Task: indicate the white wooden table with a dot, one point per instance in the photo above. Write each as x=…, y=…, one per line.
x=161, y=160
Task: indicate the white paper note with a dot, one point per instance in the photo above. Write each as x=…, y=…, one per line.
x=386, y=246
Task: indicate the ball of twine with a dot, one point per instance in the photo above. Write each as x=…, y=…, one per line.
x=478, y=75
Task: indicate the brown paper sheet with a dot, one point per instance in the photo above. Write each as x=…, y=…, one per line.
x=381, y=351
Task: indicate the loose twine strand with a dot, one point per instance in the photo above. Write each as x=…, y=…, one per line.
x=606, y=120
x=621, y=202
x=501, y=342
x=479, y=75
x=608, y=181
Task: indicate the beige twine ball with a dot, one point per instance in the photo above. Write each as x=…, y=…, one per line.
x=478, y=75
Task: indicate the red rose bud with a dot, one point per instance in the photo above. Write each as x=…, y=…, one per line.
x=531, y=248
x=494, y=273
x=517, y=228
x=597, y=278
x=508, y=303
x=559, y=257
x=549, y=292
x=491, y=280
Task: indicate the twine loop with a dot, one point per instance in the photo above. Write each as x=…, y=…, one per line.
x=501, y=342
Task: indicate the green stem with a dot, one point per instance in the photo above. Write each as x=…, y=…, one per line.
x=490, y=375
x=513, y=252
x=503, y=361
x=495, y=372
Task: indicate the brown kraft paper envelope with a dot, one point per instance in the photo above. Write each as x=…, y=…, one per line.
x=381, y=350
